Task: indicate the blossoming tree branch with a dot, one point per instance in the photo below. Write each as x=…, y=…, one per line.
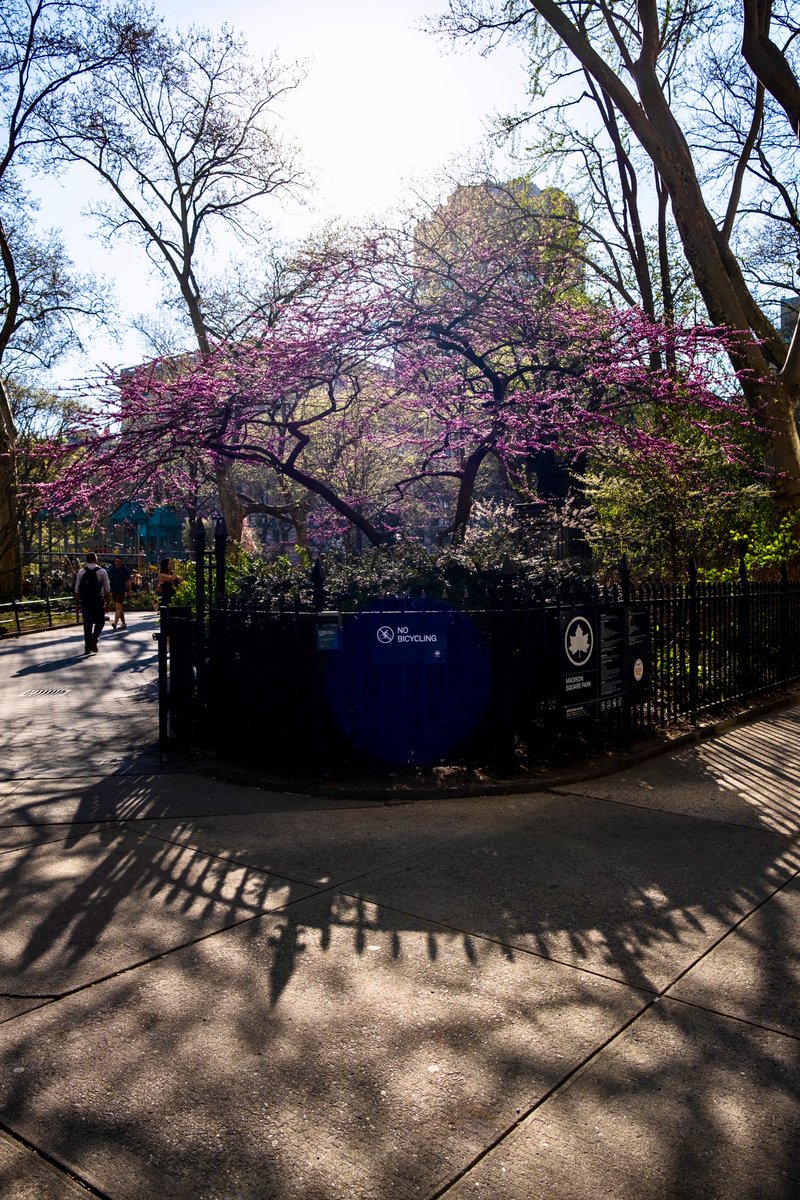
x=410, y=365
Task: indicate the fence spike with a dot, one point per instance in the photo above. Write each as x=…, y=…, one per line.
x=318, y=583
x=625, y=577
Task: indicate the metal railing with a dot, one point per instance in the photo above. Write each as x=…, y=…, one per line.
x=294, y=686
x=24, y=616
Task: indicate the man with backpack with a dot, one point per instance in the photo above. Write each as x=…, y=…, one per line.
x=91, y=589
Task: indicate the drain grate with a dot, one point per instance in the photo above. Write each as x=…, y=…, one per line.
x=47, y=692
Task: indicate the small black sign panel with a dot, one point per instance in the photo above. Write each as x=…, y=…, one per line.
x=637, y=655
x=329, y=631
x=329, y=637
x=579, y=660
x=612, y=657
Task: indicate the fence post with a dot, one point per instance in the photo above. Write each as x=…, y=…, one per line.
x=625, y=593
x=200, y=569
x=694, y=644
x=625, y=579
x=318, y=584
x=787, y=654
x=181, y=674
x=200, y=605
x=220, y=547
x=316, y=707
x=745, y=631
x=163, y=681
x=508, y=674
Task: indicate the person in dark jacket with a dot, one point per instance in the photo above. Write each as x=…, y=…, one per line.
x=119, y=576
x=92, y=590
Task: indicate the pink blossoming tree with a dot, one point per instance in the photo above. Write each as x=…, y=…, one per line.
x=466, y=341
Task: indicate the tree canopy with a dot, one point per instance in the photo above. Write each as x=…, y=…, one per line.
x=47, y=50
x=463, y=340
x=646, y=67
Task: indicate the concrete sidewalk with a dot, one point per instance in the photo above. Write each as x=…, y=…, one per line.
x=213, y=992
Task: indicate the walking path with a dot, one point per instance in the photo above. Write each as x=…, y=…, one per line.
x=211, y=992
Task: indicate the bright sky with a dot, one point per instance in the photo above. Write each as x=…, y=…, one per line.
x=384, y=108
x=384, y=104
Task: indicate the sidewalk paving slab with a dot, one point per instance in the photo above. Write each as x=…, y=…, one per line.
x=25, y=1175
x=13, y=837
x=748, y=776
x=684, y=1105
x=334, y=1051
x=12, y=1006
x=103, y=899
x=119, y=797
x=754, y=973
x=327, y=844
x=636, y=895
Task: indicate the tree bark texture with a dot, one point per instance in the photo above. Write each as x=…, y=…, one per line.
x=767, y=62
x=10, y=555
x=231, y=505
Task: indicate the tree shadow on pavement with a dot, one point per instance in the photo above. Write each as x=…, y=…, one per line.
x=357, y=1003
x=749, y=776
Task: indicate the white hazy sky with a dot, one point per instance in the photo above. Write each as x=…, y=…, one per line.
x=384, y=107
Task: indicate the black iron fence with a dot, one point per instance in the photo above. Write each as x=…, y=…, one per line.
x=509, y=683
x=21, y=616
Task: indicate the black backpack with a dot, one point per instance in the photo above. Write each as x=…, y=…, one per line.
x=90, y=588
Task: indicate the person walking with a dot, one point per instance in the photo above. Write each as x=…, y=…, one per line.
x=91, y=590
x=119, y=576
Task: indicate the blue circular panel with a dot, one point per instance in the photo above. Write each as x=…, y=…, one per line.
x=408, y=685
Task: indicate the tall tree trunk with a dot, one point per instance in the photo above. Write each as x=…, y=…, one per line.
x=767, y=62
x=466, y=493
x=231, y=505
x=772, y=385
x=10, y=555
x=233, y=511
x=299, y=517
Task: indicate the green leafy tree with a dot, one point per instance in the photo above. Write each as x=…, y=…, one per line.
x=186, y=142
x=47, y=49
x=41, y=419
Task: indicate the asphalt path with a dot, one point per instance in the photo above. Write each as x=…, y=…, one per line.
x=66, y=714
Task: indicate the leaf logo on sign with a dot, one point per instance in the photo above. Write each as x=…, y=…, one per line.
x=578, y=641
